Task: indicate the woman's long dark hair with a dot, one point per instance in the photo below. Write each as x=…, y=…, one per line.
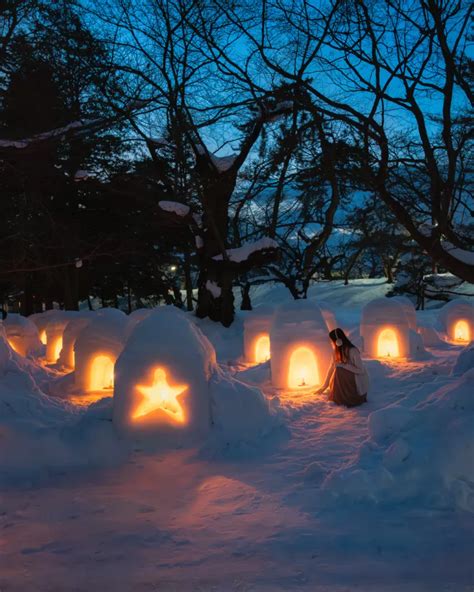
x=342, y=351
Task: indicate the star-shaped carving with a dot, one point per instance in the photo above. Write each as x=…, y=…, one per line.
x=161, y=395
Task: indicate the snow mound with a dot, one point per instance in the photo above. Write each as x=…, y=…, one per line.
x=171, y=391
x=417, y=449
x=22, y=335
x=465, y=360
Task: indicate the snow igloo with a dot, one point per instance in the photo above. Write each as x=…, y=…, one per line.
x=162, y=378
x=51, y=325
x=301, y=353
x=71, y=332
x=96, y=350
x=257, y=324
x=22, y=335
x=385, y=330
x=457, y=321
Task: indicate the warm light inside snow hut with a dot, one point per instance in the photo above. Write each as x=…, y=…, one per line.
x=14, y=345
x=462, y=331
x=101, y=373
x=387, y=344
x=57, y=347
x=303, y=368
x=43, y=337
x=160, y=395
x=262, y=348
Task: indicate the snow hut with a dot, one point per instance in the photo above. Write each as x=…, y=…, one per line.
x=385, y=329
x=41, y=320
x=457, y=321
x=51, y=325
x=96, y=350
x=22, y=335
x=409, y=309
x=257, y=325
x=137, y=316
x=162, y=385
x=71, y=332
x=300, y=349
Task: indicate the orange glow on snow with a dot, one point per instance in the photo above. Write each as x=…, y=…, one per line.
x=161, y=395
x=43, y=337
x=387, y=344
x=15, y=346
x=57, y=347
x=462, y=331
x=303, y=370
x=262, y=348
x=101, y=373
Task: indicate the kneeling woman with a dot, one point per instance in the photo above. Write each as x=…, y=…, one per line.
x=347, y=377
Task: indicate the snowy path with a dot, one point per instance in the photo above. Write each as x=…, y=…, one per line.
x=186, y=521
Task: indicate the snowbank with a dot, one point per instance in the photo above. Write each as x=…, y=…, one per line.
x=420, y=448
x=465, y=360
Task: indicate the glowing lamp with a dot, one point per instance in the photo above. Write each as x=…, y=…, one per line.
x=387, y=344
x=462, y=331
x=160, y=396
x=43, y=337
x=101, y=373
x=303, y=369
x=262, y=348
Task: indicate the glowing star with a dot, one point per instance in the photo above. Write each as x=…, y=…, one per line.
x=161, y=395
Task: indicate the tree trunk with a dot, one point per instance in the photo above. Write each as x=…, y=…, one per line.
x=27, y=302
x=246, y=303
x=188, y=283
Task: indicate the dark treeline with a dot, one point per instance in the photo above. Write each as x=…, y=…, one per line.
x=170, y=151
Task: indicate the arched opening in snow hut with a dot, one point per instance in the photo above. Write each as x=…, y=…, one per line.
x=101, y=373
x=262, y=348
x=43, y=337
x=57, y=346
x=462, y=331
x=15, y=344
x=303, y=368
x=162, y=395
x=387, y=344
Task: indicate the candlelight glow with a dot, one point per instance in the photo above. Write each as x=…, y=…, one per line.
x=462, y=331
x=102, y=373
x=387, y=344
x=58, y=346
x=15, y=346
x=43, y=337
x=161, y=395
x=303, y=370
x=262, y=349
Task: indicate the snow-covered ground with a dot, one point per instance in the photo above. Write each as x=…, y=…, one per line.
x=376, y=498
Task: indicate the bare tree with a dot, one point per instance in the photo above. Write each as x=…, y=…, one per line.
x=395, y=72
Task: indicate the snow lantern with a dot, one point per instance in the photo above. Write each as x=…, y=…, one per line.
x=41, y=320
x=301, y=352
x=257, y=325
x=162, y=378
x=135, y=317
x=96, y=350
x=22, y=335
x=70, y=334
x=385, y=329
x=409, y=309
x=51, y=325
x=457, y=320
